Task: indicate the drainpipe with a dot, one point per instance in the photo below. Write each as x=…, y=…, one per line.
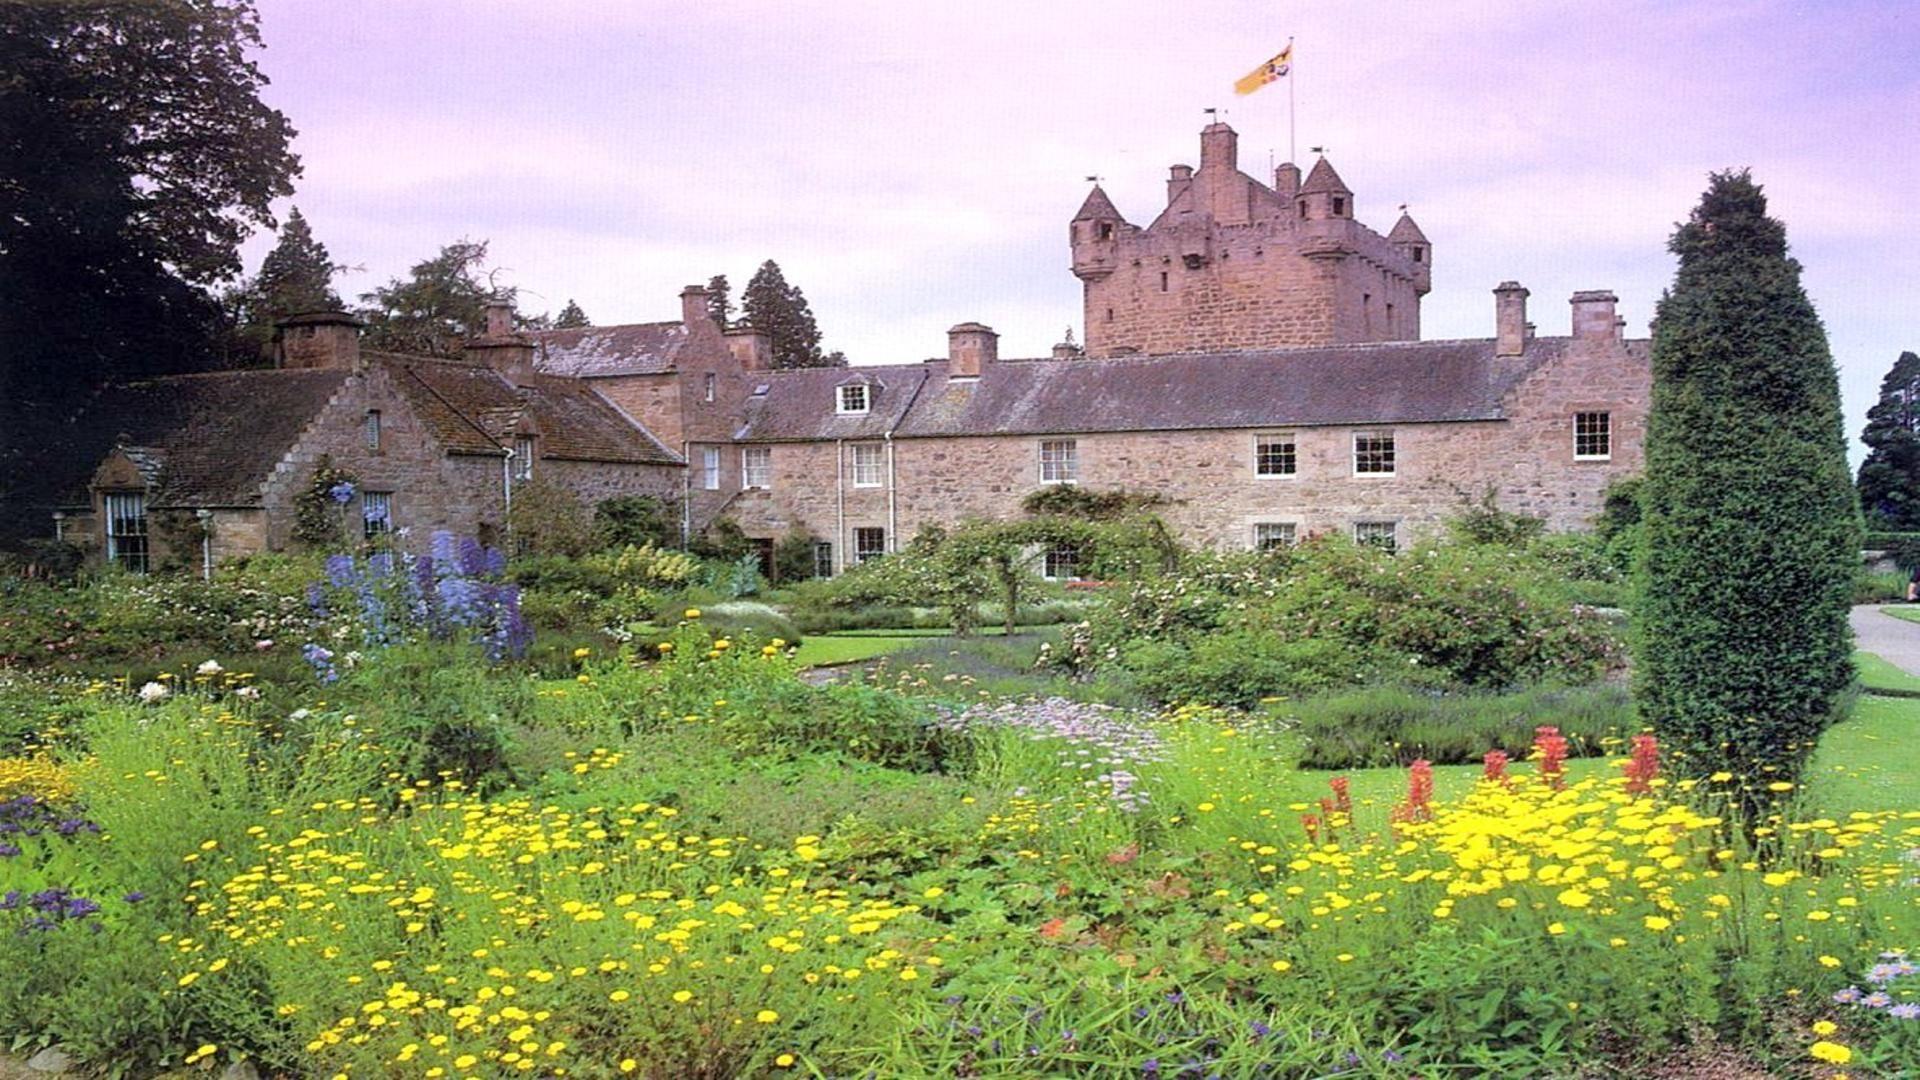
x=893, y=517
x=839, y=505
x=59, y=525
x=686, y=494
x=206, y=543
x=506, y=491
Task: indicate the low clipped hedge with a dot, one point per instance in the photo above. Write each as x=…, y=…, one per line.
x=1392, y=726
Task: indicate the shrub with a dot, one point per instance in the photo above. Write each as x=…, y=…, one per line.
x=1392, y=725
x=635, y=521
x=549, y=519
x=1752, y=522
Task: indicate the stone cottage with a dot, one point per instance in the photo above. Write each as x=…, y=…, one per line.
x=196, y=468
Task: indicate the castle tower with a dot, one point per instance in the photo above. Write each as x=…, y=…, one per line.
x=1234, y=264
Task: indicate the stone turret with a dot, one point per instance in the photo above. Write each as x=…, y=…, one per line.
x=1406, y=236
x=1324, y=196
x=1094, y=235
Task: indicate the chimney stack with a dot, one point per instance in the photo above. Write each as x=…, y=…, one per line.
x=1286, y=180
x=1179, y=179
x=1593, y=315
x=1219, y=147
x=500, y=348
x=1510, y=319
x=693, y=306
x=1068, y=349
x=318, y=339
x=752, y=347
x=970, y=347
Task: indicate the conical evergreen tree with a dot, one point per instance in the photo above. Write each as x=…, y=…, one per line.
x=1890, y=477
x=1752, y=527
x=720, y=300
x=770, y=304
x=297, y=275
x=571, y=317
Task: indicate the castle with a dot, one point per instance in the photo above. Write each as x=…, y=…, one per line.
x=1252, y=356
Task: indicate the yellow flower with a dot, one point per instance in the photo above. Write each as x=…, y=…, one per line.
x=1825, y=1027
x=693, y=613
x=1830, y=1052
x=1282, y=965
x=1779, y=785
x=1657, y=923
x=618, y=995
x=766, y=1016
x=665, y=646
x=187, y=979
x=1574, y=898
x=683, y=996
x=934, y=892
x=1556, y=928
x=628, y=1065
x=1721, y=777
x=582, y=653
x=1819, y=916
x=785, y=1061
x=1829, y=962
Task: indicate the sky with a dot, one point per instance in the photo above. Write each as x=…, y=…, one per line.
x=911, y=166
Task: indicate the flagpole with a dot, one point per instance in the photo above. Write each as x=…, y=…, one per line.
x=1293, y=150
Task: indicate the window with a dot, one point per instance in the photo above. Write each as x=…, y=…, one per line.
x=1419, y=255
x=1163, y=281
x=869, y=544
x=1061, y=563
x=756, y=467
x=853, y=398
x=1059, y=462
x=1593, y=436
x=869, y=469
x=710, y=381
x=376, y=513
x=1275, y=455
x=710, y=468
x=373, y=430
x=1268, y=535
x=523, y=457
x=1373, y=453
x=1106, y=230
x=822, y=559
x=1339, y=206
x=1380, y=534
x=127, y=530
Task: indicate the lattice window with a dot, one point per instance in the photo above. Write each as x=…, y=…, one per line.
x=1381, y=534
x=710, y=468
x=1275, y=455
x=756, y=467
x=869, y=465
x=854, y=398
x=1059, y=462
x=127, y=530
x=376, y=513
x=1268, y=535
x=1593, y=435
x=1061, y=563
x=869, y=543
x=1373, y=453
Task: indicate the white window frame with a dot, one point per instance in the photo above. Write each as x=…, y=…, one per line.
x=1266, y=438
x=823, y=558
x=523, y=455
x=371, y=526
x=1392, y=453
x=710, y=382
x=1392, y=536
x=861, y=551
x=756, y=468
x=869, y=465
x=1059, y=461
x=1605, y=434
x=126, y=548
x=371, y=434
x=1286, y=534
x=710, y=468
x=1057, y=558
x=842, y=399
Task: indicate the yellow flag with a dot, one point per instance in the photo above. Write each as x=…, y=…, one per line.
x=1273, y=69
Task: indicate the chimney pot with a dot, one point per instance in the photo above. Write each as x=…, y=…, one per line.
x=971, y=346
x=693, y=306
x=1219, y=147
x=499, y=317
x=319, y=339
x=1510, y=319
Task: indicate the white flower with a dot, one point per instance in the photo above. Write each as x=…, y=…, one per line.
x=300, y=714
x=153, y=691
x=209, y=668
x=248, y=692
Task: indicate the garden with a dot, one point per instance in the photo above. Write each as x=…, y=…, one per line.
x=1323, y=810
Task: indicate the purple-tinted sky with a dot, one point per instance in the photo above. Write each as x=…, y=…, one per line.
x=911, y=165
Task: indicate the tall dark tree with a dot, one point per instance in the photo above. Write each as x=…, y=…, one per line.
x=1890, y=477
x=1752, y=526
x=571, y=317
x=296, y=276
x=769, y=303
x=135, y=156
x=720, y=300
x=436, y=307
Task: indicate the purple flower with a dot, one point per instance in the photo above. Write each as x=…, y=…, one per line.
x=341, y=492
x=8, y=851
x=1847, y=996
x=1879, y=999
x=1905, y=1011
x=134, y=897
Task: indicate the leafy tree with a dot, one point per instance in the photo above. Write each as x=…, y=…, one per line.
x=636, y=521
x=571, y=317
x=771, y=304
x=436, y=307
x=720, y=300
x=135, y=156
x=1890, y=477
x=1752, y=530
x=296, y=276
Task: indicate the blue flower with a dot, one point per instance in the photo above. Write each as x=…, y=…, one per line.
x=341, y=492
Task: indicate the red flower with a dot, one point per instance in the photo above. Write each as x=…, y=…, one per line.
x=1496, y=762
x=1550, y=748
x=1644, y=765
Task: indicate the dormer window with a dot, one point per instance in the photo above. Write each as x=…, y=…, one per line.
x=854, y=398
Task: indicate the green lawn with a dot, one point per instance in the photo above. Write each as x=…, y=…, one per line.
x=1878, y=674
x=1909, y=612
x=825, y=649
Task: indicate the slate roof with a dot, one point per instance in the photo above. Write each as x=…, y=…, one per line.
x=632, y=349
x=1097, y=207
x=472, y=409
x=1387, y=383
x=1406, y=231
x=210, y=439
x=1323, y=178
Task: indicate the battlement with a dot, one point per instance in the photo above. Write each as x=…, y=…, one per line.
x=1232, y=263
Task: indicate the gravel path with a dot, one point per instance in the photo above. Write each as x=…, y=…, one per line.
x=1894, y=640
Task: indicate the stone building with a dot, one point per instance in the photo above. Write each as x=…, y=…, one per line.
x=192, y=469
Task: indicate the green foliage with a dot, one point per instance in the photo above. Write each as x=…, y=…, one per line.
x=635, y=521
x=1072, y=500
x=319, y=519
x=1889, y=480
x=1752, y=524
x=436, y=307
x=295, y=277
x=549, y=519
x=1231, y=629
x=720, y=301
x=793, y=558
x=769, y=303
x=138, y=157
x=1395, y=726
x=723, y=541
x=571, y=317
x=1484, y=522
